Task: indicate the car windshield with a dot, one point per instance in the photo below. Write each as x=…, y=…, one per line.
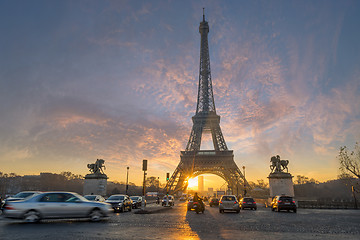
x=248, y=200
x=90, y=197
x=135, y=198
x=286, y=199
x=116, y=198
x=23, y=195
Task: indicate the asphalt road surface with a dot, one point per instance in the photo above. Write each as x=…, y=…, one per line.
x=178, y=223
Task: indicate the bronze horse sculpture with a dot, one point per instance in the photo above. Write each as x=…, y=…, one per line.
x=278, y=165
x=96, y=167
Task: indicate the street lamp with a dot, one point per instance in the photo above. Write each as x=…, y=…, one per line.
x=127, y=180
x=244, y=181
x=158, y=186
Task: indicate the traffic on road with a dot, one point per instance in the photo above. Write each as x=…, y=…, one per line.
x=176, y=222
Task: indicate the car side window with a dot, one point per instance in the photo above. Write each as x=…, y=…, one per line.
x=53, y=197
x=71, y=198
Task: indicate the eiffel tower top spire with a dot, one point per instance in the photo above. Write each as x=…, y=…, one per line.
x=205, y=119
x=205, y=101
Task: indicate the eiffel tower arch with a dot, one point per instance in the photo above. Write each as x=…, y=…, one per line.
x=193, y=161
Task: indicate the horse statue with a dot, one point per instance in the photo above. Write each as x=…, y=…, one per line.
x=96, y=167
x=278, y=165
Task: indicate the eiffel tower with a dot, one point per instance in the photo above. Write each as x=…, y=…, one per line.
x=193, y=161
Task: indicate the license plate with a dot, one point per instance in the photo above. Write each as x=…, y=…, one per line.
x=249, y=203
x=287, y=203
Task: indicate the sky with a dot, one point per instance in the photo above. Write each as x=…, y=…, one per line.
x=117, y=80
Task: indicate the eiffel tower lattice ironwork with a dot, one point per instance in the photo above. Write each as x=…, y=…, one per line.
x=194, y=161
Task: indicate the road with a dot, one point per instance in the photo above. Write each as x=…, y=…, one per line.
x=178, y=223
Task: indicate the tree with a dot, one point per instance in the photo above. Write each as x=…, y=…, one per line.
x=152, y=184
x=304, y=180
x=350, y=162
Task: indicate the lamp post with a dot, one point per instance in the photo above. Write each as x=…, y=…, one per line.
x=127, y=180
x=244, y=181
x=144, y=168
x=158, y=186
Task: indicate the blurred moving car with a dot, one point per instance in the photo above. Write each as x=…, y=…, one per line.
x=169, y=198
x=283, y=203
x=136, y=201
x=95, y=198
x=120, y=202
x=56, y=205
x=229, y=203
x=214, y=202
x=247, y=202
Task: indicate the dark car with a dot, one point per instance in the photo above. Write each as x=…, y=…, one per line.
x=247, y=202
x=214, y=202
x=283, y=203
x=137, y=201
x=120, y=202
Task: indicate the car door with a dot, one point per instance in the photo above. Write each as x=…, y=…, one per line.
x=52, y=205
x=74, y=207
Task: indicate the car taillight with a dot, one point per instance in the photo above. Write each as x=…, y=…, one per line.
x=279, y=201
x=244, y=202
x=254, y=202
x=9, y=207
x=220, y=202
x=293, y=201
x=235, y=202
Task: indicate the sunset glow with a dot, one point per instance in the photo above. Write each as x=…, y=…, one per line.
x=193, y=183
x=117, y=80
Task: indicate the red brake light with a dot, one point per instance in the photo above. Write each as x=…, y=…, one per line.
x=293, y=201
x=9, y=207
x=220, y=202
x=279, y=201
x=235, y=202
x=244, y=202
x=254, y=202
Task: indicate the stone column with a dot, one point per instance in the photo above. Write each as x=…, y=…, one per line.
x=95, y=184
x=280, y=183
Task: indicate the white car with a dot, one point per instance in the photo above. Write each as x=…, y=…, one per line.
x=95, y=198
x=168, y=198
x=56, y=205
x=229, y=203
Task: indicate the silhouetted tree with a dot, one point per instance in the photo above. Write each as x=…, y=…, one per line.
x=350, y=162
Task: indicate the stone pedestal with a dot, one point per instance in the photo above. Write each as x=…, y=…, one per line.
x=95, y=184
x=281, y=184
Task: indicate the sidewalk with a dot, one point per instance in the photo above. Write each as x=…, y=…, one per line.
x=152, y=208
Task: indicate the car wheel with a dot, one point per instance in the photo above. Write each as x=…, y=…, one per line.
x=238, y=211
x=95, y=215
x=278, y=209
x=242, y=208
x=122, y=209
x=294, y=210
x=32, y=216
x=255, y=209
x=221, y=211
x=130, y=209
